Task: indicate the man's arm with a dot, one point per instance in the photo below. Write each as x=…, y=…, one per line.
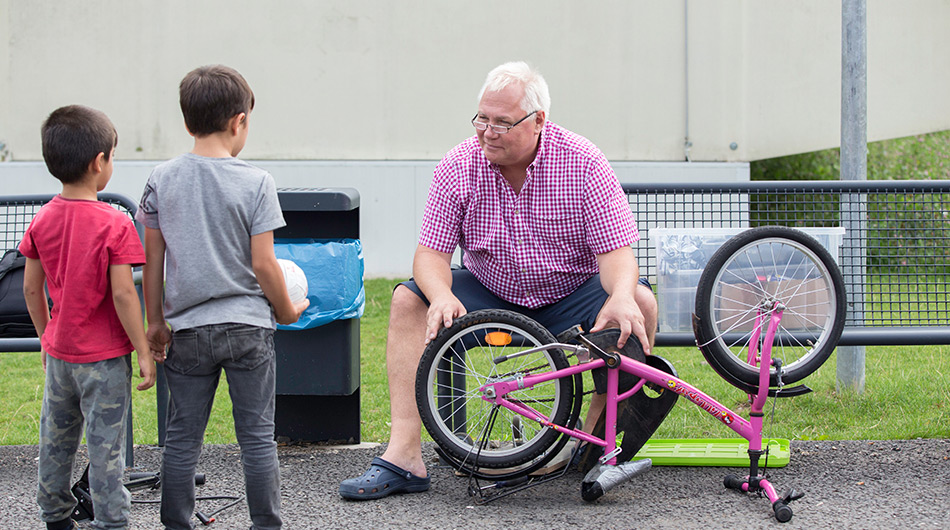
x=153, y=287
x=432, y=272
x=33, y=292
x=271, y=279
x=619, y=273
x=126, y=301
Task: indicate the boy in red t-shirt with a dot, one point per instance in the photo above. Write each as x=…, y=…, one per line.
x=84, y=250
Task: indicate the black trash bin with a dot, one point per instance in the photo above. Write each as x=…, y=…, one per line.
x=318, y=369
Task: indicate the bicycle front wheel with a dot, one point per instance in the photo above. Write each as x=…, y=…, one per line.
x=744, y=279
x=461, y=360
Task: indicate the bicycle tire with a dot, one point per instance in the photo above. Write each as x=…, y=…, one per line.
x=761, y=266
x=455, y=420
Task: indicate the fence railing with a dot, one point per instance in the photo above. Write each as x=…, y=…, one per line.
x=895, y=256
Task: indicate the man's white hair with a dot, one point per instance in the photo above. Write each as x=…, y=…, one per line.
x=536, y=95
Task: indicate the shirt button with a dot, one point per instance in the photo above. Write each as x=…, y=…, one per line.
x=516, y=212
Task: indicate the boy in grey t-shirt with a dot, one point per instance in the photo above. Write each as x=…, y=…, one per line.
x=209, y=221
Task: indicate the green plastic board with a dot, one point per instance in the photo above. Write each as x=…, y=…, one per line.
x=711, y=452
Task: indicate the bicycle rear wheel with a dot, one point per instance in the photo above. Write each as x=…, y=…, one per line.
x=748, y=274
x=460, y=361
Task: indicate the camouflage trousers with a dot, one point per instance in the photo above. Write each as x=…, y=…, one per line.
x=95, y=395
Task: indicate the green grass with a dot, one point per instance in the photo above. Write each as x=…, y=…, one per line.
x=21, y=377
x=907, y=394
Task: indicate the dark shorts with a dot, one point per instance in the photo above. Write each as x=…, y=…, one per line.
x=580, y=307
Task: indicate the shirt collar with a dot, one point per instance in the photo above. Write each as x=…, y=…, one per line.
x=541, y=143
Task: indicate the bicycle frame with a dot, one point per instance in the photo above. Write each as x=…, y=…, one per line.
x=750, y=429
x=535, y=390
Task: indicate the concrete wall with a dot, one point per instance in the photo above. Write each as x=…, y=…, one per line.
x=371, y=93
x=381, y=80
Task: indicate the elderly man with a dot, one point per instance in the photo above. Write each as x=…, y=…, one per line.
x=545, y=230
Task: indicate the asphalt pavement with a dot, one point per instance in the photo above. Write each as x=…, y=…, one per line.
x=847, y=484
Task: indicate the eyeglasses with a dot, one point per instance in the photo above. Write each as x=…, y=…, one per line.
x=498, y=129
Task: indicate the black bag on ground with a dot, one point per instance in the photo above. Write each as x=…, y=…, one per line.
x=14, y=317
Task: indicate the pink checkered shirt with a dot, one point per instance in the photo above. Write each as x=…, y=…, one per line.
x=535, y=247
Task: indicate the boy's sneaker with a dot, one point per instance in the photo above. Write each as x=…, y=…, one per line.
x=66, y=524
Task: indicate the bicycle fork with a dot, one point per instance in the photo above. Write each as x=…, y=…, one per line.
x=756, y=482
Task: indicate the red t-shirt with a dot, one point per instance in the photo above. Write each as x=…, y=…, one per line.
x=76, y=241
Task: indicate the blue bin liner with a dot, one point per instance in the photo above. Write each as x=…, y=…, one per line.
x=334, y=269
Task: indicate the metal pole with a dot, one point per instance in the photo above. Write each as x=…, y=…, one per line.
x=687, y=143
x=851, y=359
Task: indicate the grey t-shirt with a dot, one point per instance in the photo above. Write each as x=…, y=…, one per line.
x=207, y=210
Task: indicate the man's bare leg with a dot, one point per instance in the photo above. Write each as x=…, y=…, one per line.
x=404, y=345
x=647, y=302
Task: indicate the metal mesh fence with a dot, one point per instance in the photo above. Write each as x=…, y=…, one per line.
x=16, y=212
x=895, y=255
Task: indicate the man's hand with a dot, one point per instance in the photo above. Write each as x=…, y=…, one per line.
x=618, y=276
x=432, y=271
x=621, y=311
x=441, y=314
x=159, y=337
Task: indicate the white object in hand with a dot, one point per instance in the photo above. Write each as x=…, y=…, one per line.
x=295, y=279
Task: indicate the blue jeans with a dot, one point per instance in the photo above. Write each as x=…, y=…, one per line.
x=193, y=366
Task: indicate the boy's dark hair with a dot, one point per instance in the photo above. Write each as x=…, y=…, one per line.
x=73, y=136
x=212, y=95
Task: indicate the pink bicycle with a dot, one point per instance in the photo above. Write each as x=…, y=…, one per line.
x=501, y=396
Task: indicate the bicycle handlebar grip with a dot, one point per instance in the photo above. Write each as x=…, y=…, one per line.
x=733, y=482
x=591, y=491
x=199, y=479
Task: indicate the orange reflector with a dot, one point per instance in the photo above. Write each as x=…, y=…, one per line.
x=498, y=338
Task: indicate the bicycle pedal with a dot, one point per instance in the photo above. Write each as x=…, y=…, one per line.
x=570, y=334
x=793, y=495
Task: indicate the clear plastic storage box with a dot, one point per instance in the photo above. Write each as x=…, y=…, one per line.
x=681, y=255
